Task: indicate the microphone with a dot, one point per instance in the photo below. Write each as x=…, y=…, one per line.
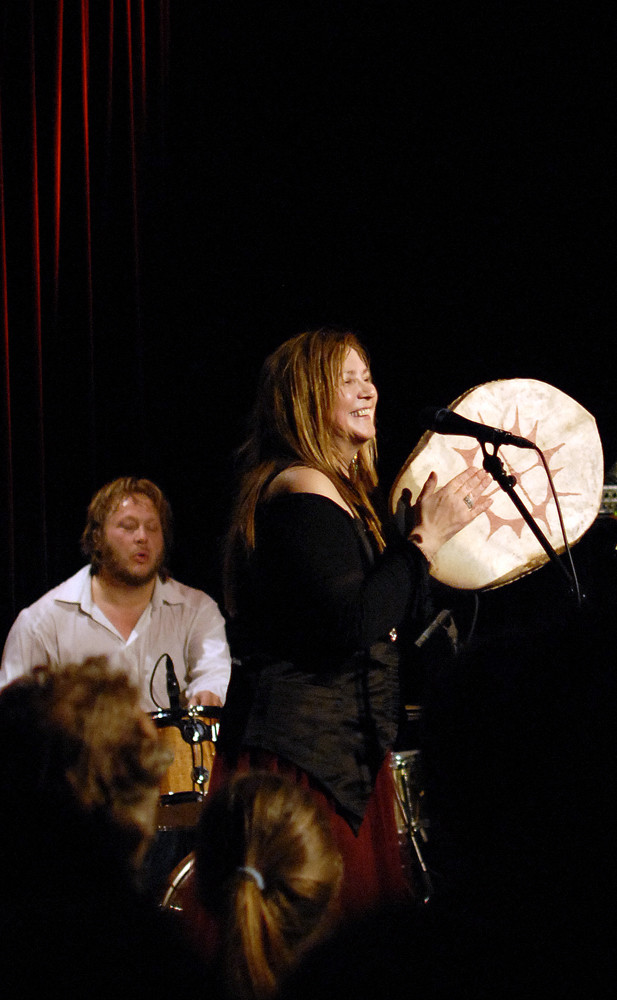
x=173, y=688
x=445, y=421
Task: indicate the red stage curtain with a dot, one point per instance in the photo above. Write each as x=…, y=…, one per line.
x=82, y=158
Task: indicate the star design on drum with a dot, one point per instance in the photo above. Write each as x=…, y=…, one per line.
x=522, y=469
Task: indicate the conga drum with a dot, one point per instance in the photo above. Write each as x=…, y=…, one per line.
x=498, y=546
x=190, y=737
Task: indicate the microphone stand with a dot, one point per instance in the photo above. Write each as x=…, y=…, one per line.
x=494, y=466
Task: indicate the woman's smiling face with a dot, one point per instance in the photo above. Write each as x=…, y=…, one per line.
x=353, y=414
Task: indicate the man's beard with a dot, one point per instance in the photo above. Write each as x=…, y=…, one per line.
x=120, y=574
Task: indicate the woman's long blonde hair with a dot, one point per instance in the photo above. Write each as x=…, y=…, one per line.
x=291, y=425
x=269, y=871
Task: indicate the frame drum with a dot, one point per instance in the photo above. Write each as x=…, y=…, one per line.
x=498, y=546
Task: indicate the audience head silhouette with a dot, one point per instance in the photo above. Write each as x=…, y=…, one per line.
x=268, y=871
x=75, y=750
x=80, y=765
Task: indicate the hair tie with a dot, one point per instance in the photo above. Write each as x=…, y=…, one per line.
x=253, y=874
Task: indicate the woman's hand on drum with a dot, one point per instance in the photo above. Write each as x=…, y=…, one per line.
x=441, y=513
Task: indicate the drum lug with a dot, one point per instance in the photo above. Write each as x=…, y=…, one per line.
x=195, y=731
x=201, y=776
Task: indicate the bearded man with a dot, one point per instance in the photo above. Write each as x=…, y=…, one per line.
x=125, y=606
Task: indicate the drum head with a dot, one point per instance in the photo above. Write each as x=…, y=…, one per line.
x=498, y=546
x=172, y=898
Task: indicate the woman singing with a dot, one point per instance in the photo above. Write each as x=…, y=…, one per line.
x=315, y=599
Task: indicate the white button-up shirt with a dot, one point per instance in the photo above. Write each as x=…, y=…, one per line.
x=66, y=626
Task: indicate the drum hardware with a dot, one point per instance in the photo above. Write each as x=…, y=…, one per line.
x=200, y=776
x=494, y=466
x=413, y=713
x=196, y=723
x=609, y=499
x=445, y=421
x=411, y=822
x=195, y=730
x=443, y=619
x=173, y=687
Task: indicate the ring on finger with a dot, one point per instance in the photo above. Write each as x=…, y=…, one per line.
x=468, y=500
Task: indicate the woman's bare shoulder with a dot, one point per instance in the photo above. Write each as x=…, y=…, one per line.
x=303, y=479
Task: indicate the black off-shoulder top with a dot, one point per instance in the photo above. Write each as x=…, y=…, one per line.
x=315, y=675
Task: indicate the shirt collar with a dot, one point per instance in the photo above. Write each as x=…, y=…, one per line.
x=166, y=592
x=79, y=591
x=85, y=597
x=158, y=594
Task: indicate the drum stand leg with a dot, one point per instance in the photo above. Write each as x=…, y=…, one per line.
x=424, y=872
x=416, y=829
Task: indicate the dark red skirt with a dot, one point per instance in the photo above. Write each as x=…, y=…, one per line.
x=373, y=864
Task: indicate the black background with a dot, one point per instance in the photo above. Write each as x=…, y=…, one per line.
x=437, y=176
